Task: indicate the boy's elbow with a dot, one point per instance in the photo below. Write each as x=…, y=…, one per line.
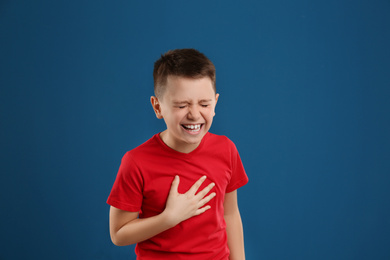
x=118, y=241
x=115, y=240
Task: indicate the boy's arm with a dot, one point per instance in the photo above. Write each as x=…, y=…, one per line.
x=126, y=228
x=234, y=228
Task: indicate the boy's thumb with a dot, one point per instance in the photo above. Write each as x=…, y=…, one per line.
x=175, y=184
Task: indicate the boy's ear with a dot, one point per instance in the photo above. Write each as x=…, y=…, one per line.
x=156, y=107
x=216, y=100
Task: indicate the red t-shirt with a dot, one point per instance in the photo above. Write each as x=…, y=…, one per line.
x=143, y=183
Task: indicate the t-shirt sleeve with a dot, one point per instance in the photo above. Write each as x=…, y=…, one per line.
x=126, y=193
x=238, y=177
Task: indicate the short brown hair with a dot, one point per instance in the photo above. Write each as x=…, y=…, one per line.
x=188, y=63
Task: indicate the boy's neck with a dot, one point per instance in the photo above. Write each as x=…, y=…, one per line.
x=178, y=146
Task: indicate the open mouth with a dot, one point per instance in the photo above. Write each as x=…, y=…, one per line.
x=193, y=128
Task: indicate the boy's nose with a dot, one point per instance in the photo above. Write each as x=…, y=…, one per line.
x=193, y=113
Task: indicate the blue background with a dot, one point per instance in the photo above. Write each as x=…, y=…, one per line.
x=305, y=96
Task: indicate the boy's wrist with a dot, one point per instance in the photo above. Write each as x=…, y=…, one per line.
x=168, y=219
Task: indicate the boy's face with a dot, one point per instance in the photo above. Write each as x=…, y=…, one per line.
x=187, y=107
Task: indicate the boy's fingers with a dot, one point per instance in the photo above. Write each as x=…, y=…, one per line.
x=206, y=190
x=196, y=186
x=202, y=210
x=205, y=200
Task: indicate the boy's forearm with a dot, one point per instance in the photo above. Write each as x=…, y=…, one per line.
x=139, y=230
x=235, y=236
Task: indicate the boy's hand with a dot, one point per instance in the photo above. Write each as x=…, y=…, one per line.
x=180, y=207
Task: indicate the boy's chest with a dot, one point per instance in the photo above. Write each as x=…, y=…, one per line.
x=158, y=180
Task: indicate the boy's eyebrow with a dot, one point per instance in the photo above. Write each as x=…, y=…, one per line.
x=187, y=102
x=180, y=102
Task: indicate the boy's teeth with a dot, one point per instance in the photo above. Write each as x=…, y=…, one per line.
x=196, y=127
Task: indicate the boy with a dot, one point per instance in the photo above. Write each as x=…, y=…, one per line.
x=175, y=195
